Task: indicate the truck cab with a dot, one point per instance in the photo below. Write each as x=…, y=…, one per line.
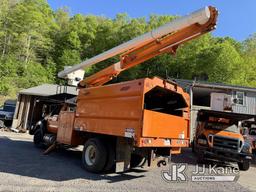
x=218, y=137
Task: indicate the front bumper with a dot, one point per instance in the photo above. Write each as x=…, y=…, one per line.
x=224, y=155
x=6, y=118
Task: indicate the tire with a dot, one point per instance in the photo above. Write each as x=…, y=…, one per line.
x=94, y=155
x=38, y=139
x=244, y=166
x=137, y=160
x=193, y=146
x=200, y=158
x=32, y=129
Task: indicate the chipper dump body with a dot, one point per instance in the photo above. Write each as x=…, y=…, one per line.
x=150, y=111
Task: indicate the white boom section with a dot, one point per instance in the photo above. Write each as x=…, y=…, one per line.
x=201, y=16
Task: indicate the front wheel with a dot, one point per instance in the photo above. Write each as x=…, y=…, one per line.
x=200, y=158
x=244, y=166
x=94, y=155
x=38, y=138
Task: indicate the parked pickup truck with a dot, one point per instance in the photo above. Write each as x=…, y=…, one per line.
x=218, y=137
x=6, y=113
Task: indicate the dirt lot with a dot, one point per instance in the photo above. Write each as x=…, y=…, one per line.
x=25, y=168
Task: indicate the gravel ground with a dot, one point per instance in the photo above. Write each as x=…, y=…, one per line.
x=25, y=168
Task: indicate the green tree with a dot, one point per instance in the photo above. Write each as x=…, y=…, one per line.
x=249, y=55
x=221, y=63
x=37, y=42
x=30, y=30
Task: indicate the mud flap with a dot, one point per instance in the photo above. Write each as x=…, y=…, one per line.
x=123, y=154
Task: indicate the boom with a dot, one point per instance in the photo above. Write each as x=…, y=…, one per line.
x=165, y=39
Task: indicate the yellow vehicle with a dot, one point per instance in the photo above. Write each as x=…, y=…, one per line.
x=218, y=137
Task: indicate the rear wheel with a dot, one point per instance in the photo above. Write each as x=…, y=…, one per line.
x=244, y=166
x=94, y=155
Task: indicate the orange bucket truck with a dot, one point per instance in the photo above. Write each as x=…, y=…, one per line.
x=123, y=124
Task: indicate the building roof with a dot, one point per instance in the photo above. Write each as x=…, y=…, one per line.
x=188, y=83
x=48, y=90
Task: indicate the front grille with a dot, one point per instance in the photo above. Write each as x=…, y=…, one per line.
x=226, y=143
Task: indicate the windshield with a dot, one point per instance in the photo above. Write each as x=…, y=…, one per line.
x=221, y=126
x=9, y=108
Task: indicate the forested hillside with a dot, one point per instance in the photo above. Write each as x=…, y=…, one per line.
x=37, y=42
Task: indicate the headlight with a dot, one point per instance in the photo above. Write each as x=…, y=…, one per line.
x=202, y=141
x=210, y=138
x=246, y=148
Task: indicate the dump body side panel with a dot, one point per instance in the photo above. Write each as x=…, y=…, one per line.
x=111, y=109
x=161, y=125
x=119, y=110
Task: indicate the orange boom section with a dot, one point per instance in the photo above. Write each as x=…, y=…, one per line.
x=168, y=43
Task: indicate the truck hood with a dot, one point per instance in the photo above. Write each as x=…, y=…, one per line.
x=225, y=134
x=6, y=113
